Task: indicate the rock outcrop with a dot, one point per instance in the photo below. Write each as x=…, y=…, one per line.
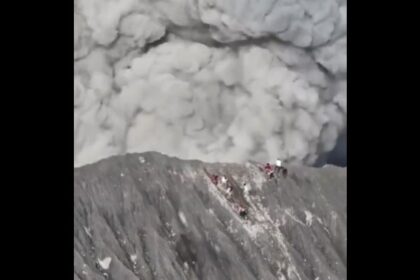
x=149, y=216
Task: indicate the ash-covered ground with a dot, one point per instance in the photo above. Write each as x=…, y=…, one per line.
x=149, y=216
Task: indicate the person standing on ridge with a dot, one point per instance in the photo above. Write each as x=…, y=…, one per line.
x=214, y=179
x=280, y=167
x=269, y=170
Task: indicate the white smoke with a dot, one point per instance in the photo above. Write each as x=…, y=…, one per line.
x=216, y=80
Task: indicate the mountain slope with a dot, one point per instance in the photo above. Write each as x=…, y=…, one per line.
x=149, y=216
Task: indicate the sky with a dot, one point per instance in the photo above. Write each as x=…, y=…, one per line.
x=215, y=80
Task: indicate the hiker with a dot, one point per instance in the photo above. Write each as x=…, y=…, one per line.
x=246, y=188
x=268, y=169
x=229, y=191
x=284, y=172
x=214, y=179
x=280, y=167
x=242, y=212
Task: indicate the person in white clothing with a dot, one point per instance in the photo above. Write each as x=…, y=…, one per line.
x=247, y=188
x=229, y=191
x=280, y=167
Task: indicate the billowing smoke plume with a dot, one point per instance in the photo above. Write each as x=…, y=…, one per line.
x=217, y=80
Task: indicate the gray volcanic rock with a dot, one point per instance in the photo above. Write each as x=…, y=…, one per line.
x=149, y=216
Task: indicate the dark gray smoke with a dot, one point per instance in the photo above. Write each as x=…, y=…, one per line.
x=338, y=156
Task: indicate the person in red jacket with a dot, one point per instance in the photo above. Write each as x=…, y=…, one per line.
x=268, y=169
x=214, y=179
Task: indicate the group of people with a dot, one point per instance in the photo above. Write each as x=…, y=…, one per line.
x=223, y=183
x=270, y=169
x=227, y=187
x=215, y=179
